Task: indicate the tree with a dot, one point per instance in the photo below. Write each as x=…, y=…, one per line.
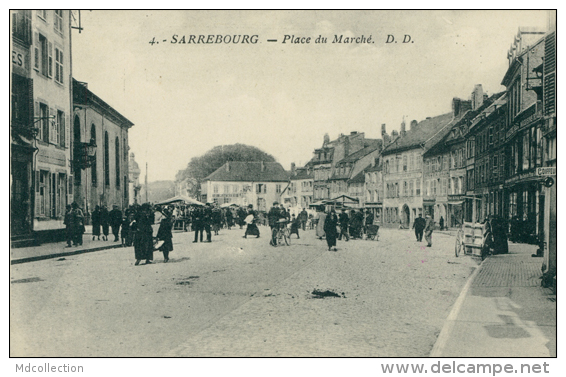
x=201, y=167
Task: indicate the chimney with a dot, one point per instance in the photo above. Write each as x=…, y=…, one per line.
x=383, y=131
x=394, y=133
x=403, y=131
x=413, y=124
x=477, y=97
x=326, y=139
x=228, y=166
x=353, y=133
x=293, y=170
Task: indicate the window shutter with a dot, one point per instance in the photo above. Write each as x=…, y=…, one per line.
x=61, y=80
x=36, y=122
x=36, y=50
x=37, y=197
x=52, y=126
x=50, y=60
x=62, y=131
x=30, y=108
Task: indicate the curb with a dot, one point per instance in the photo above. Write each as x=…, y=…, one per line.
x=449, y=322
x=64, y=254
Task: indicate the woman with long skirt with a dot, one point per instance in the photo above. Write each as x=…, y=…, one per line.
x=321, y=217
x=143, y=239
x=165, y=234
x=330, y=224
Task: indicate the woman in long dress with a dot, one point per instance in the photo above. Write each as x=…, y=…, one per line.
x=143, y=241
x=330, y=224
x=321, y=216
x=165, y=234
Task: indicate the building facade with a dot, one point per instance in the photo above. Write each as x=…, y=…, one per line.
x=244, y=183
x=524, y=198
x=373, y=190
x=100, y=152
x=40, y=136
x=134, y=186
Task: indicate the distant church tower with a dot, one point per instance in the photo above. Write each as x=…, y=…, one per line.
x=134, y=186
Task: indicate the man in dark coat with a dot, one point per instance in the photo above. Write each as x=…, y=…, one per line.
x=197, y=223
x=78, y=224
x=368, y=220
x=344, y=221
x=115, y=219
x=69, y=225
x=273, y=217
x=441, y=223
x=143, y=238
x=207, y=221
x=419, y=225
x=95, y=218
x=104, y=222
x=303, y=217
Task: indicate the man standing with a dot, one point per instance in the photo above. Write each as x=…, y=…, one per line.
x=273, y=217
x=441, y=223
x=69, y=224
x=207, y=219
x=104, y=221
x=78, y=224
x=344, y=223
x=419, y=226
x=429, y=227
x=368, y=220
x=197, y=225
x=115, y=218
x=303, y=216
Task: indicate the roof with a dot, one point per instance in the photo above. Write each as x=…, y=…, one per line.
x=81, y=95
x=372, y=145
x=370, y=169
x=302, y=173
x=359, y=178
x=427, y=133
x=243, y=171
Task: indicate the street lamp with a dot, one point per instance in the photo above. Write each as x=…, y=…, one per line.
x=86, y=153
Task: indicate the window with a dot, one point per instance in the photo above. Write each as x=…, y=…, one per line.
x=405, y=163
x=93, y=172
x=526, y=150
x=61, y=128
x=44, y=116
x=106, y=160
x=117, y=161
x=405, y=189
x=418, y=188
x=226, y=189
x=278, y=188
x=58, y=20
x=58, y=65
x=42, y=14
x=43, y=57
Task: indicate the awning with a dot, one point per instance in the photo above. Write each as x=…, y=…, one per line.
x=456, y=203
x=182, y=198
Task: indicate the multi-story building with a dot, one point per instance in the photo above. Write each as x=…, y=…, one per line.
x=41, y=109
x=524, y=199
x=353, y=164
x=100, y=151
x=373, y=189
x=243, y=183
x=402, y=161
x=549, y=155
x=299, y=193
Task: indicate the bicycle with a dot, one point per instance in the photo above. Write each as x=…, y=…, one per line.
x=283, y=233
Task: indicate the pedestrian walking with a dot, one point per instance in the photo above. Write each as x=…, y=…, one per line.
x=104, y=222
x=295, y=225
x=419, y=225
x=441, y=223
x=330, y=224
x=344, y=220
x=368, y=220
x=164, y=233
x=95, y=219
x=78, y=224
x=68, y=221
x=125, y=231
x=216, y=220
x=251, y=227
x=303, y=217
x=143, y=238
x=115, y=219
x=429, y=227
x=321, y=217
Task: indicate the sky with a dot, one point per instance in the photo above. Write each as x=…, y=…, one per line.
x=184, y=99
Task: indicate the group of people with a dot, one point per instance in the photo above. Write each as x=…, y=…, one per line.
x=425, y=226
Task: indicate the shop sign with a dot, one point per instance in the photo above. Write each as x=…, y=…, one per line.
x=543, y=172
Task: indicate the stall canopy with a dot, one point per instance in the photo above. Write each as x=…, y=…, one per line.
x=317, y=204
x=229, y=205
x=181, y=198
x=343, y=199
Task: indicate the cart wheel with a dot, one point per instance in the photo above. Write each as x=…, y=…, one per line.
x=458, y=247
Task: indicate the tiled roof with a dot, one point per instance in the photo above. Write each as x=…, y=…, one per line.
x=360, y=178
x=250, y=171
x=372, y=145
x=425, y=134
x=302, y=173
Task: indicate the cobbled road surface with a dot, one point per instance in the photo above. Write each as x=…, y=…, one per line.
x=241, y=297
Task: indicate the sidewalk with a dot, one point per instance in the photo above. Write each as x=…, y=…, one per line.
x=502, y=311
x=60, y=249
